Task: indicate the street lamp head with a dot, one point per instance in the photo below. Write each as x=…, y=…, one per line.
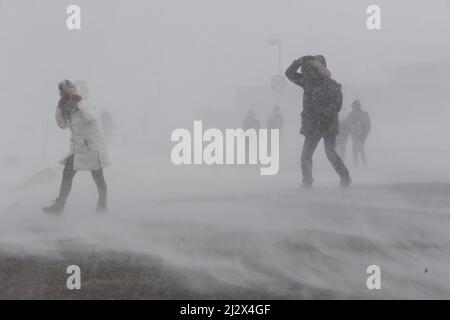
x=273, y=41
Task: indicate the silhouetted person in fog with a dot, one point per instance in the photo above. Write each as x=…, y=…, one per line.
x=275, y=120
x=358, y=122
x=87, y=150
x=108, y=125
x=250, y=122
x=322, y=101
x=342, y=138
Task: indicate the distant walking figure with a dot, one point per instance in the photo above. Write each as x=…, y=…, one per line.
x=107, y=124
x=322, y=101
x=250, y=122
x=275, y=119
x=358, y=122
x=87, y=149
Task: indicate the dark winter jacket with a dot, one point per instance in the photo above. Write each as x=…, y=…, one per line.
x=322, y=101
x=358, y=122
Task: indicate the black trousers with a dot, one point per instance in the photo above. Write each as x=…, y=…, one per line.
x=66, y=183
x=310, y=145
x=359, y=150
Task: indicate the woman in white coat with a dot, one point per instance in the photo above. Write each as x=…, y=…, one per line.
x=87, y=149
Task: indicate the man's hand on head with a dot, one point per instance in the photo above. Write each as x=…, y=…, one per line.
x=304, y=59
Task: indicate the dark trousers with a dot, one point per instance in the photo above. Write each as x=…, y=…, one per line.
x=310, y=146
x=341, y=146
x=66, y=184
x=358, y=149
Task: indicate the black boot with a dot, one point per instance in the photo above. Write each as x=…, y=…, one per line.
x=102, y=207
x=306, y=186
x=346, y=182
x=57, y=208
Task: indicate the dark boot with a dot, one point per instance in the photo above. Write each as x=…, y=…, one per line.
x=99, y=180
x=306, y=185
x=102, y=207
x=346, y=182
x=57, y=208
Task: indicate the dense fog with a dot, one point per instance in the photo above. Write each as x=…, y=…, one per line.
x=159, y=65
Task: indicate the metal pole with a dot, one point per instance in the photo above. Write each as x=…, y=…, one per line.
x=279, y=57
x=277, y=42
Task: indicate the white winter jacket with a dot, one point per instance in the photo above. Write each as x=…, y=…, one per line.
x=87, y=143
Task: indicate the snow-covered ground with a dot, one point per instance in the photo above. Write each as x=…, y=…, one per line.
x=224, y=232
x=228, y=232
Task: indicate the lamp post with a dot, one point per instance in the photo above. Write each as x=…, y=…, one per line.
x=277, y=43
x=278, y=82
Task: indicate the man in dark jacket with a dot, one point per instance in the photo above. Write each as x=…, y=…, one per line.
x=275, y=120
x=322, y=101
x=358, y=122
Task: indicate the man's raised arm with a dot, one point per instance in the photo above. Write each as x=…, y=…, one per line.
x=292, y=71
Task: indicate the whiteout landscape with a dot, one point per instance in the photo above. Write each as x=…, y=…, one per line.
x=225, y=231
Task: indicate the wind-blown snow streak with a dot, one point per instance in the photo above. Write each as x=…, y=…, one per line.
x=241, y=231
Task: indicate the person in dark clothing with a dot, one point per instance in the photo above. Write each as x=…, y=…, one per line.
x=107, y=124
x=358, y=122
x=322, y=101
x=275, y=120
x=251, y=121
